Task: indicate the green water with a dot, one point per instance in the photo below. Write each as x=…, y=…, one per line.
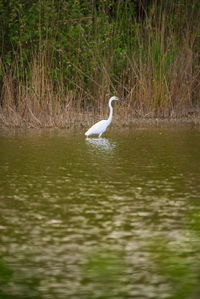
x=83, y=218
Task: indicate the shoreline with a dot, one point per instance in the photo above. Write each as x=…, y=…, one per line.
x=83, y=121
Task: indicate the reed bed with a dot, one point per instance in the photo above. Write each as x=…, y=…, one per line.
x=154, y=66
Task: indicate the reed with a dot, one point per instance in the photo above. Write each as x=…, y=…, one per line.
x=152, y=63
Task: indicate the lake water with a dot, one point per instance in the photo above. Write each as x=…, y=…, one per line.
x=99, y=218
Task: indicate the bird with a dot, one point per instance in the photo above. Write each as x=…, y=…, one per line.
x=100, y=127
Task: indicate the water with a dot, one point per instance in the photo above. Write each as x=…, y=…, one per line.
x=84, y=218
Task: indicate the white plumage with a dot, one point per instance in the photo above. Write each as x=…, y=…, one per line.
x=100, y=127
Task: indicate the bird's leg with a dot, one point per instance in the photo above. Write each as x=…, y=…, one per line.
x=100, y=135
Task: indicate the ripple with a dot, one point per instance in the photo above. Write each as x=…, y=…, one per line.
x=100, y=144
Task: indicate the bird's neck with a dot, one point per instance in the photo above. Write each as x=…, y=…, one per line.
x=111, y=112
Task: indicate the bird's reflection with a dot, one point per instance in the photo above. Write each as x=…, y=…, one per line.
x=101, y=144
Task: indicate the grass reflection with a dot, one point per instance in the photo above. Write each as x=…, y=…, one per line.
x=179, y=264
x=177, y=270
x=105, y=275
x=14, y=284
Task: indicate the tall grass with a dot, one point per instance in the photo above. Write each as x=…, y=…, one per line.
x=152, y=63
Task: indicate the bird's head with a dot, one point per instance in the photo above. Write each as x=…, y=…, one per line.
x=114, y=98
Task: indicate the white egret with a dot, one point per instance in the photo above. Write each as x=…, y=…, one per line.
x=100, y=127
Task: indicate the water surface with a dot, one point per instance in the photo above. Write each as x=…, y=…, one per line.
x=65, y=199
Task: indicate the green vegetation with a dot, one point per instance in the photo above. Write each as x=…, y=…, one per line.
x=61, y=60
x=105, y=276
x=178, y=269
x=15, y=285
